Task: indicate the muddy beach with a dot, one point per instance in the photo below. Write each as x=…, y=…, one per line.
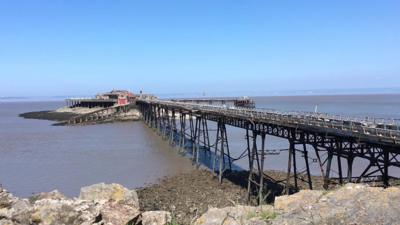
x=48, y=115
x=189, y=195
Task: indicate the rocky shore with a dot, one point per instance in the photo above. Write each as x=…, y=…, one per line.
x=99, y=204
x=197, y=198
x=350, y=204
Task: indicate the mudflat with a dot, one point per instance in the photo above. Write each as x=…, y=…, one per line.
x=48, y=115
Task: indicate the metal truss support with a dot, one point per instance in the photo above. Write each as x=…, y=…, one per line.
x=255, y=180
x=201, y=137
x=385, y=175
x=305, y=155
x=172, y=130
x=221, y=150
x=182, y=136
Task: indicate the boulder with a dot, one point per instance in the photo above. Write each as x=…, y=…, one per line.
x=55, y=195
x=237, y=215
x=156, y=218
x=105, y=204
x=350, y=204
x=51, y=212
x=109, y=192
x=13, y=209
x=6, y=198
x=302, y=199
x=20, y=211
x=114, y=213
x=117, y=204
x=7, y=222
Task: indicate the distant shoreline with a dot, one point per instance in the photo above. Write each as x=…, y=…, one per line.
x=172, y=96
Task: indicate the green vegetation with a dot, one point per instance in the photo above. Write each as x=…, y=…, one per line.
x=264, y=215
x=173, y=222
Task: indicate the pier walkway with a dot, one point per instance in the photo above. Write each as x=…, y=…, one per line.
x=101, y=115
x=237, y=102
x=186, y=125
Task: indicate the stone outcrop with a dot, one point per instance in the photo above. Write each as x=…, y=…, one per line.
x=106, y=204
x=99, y=193
x=113, y=204
x=156, y=218
x=238, y=215
x=350, y=204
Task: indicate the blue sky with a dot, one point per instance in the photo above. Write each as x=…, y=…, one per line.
x=227, y=47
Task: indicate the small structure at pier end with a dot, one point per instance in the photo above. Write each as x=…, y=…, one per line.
x=244, y=102
x=104, y=100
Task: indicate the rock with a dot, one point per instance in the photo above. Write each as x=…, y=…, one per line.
x=7, y=222
x=156, y=218
x=238, y=215
x=109, y=192
x=50, y=211
x=350, y=204
x=299, y=200
x=12, y=209
x=117, y=204
x=114, y=213
x=55, y=195
x=20, y=211
x=6, y=198
x=98, y=204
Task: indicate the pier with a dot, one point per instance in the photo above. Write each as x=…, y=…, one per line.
x=236, y=102
x=101, y=115
x=186, y=125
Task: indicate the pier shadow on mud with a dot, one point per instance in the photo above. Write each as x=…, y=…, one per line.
x=274, y=181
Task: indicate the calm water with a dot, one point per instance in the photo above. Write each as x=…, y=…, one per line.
x=37, y=157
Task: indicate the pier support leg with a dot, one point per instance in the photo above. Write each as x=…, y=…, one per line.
x=172, y=128
x=305, y=152
x=340, y=169
x=215, y=149
x=350, y=160
x=206, y=138
x=182, y=138
x=261, y=172
x=252, y=158
x=222, y=155
x=340, y=148
x=385, y=176
x=328, y=169
x=191, y=128
x=293, y=150
x=289, y=168
x=320, y=163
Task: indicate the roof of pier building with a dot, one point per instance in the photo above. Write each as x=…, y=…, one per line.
x=115, y=94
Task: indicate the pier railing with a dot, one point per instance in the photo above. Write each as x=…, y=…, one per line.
x=332, y=138
x=388, y=129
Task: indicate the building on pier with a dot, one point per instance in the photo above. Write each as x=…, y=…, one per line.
x=104, y=100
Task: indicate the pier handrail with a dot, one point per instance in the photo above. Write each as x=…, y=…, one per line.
x=368, y=126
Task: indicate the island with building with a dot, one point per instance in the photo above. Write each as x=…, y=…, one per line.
x=116, y=105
